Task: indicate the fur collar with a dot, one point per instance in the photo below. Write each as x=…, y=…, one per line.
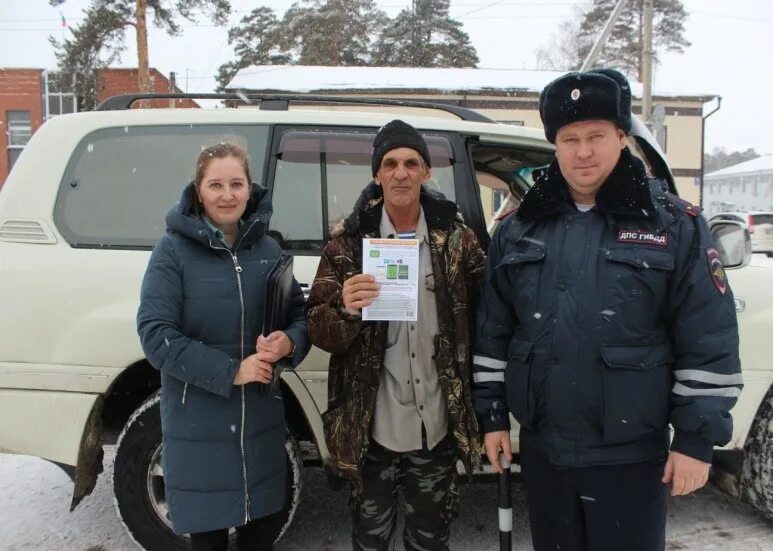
x=365, y=218
x=625, y=192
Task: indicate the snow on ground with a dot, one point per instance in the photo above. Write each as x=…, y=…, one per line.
x=36, y=495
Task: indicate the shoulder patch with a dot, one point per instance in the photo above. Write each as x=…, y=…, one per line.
x=686, y=206
x=717, y=271
x=505, y=214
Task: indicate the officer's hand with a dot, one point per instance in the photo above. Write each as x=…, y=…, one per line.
x=359, y=291
x=494, y=441
x=686, y=474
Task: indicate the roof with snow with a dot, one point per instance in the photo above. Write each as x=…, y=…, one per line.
x=305, y=79
x=760, y=164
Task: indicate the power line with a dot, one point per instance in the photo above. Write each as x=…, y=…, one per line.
x=455, y=5
x=212, y=25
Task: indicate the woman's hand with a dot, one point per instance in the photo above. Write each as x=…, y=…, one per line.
x=253, y=370
x=277, y=345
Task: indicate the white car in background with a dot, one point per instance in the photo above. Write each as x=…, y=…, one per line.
x=758, y=223
x=85, y=203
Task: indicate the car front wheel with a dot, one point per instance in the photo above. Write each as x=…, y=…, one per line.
x=757, y=472
x=138, y=482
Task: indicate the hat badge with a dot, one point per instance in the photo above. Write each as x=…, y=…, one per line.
x=575, y=95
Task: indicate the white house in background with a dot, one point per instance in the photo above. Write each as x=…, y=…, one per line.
x=509, y=96
x=746, y=186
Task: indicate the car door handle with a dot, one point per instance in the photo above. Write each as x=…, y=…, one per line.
x=740, y=304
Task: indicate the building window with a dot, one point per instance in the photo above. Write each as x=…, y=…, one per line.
x=19, y=132
x=58, y=101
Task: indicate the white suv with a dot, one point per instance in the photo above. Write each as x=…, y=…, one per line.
x=85, y=204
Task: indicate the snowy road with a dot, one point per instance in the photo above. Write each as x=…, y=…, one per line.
x=34, y=516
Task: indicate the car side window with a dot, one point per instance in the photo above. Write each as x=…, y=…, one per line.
x=504, y=173
x=321, y=173
x=120, y=182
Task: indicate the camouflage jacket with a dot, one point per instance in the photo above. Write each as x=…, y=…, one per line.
x=357, y=347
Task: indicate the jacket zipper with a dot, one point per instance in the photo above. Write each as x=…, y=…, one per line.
x=238, y=270
x=185, y=392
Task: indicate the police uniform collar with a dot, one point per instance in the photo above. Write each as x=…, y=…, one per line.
x=626, y=192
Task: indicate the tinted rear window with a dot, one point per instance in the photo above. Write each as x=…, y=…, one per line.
x=121, y=182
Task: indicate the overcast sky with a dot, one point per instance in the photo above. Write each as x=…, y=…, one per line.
x=730, y=53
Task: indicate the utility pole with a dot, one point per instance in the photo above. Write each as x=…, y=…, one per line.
x=646, y=63
x=596, y=50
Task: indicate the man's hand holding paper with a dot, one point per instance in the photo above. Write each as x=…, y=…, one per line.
x=358, y=292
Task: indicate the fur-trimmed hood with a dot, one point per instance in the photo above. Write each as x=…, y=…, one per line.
x=439, y=212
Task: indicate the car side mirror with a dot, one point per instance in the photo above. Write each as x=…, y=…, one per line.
x=733, y=243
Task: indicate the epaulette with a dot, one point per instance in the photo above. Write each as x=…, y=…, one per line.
x=505, y=214
x=686, y=206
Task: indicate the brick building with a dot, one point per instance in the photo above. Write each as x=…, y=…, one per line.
x=28, y=99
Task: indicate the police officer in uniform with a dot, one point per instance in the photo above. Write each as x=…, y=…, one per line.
x=606, y=317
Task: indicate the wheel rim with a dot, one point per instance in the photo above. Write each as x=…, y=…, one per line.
x=155, y=486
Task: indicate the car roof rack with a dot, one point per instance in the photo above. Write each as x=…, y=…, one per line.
x=281, y=102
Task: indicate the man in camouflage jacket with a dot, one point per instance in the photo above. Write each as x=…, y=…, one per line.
x=399, y=399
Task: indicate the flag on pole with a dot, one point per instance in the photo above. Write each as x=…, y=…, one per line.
x=64, y=21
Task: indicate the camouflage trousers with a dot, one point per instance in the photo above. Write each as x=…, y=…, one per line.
x=427, y=481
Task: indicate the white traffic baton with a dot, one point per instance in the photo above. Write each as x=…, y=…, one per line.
x=505, y=506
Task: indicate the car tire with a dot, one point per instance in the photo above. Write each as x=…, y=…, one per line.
x=756, y=481
x=139, y=487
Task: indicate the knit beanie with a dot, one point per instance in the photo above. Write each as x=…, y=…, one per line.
x=396, y=134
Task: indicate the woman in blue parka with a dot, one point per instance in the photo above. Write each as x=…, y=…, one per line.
x=200, y=322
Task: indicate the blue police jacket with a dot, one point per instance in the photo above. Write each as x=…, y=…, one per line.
x=597, y=330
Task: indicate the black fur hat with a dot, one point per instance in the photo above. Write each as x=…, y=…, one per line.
x=396, y=134
x=596, y=94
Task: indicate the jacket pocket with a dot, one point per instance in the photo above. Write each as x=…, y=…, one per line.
x=638, y=274
x=636, y=391
x=518, y=381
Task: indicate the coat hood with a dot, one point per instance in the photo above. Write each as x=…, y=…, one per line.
x=183, y=219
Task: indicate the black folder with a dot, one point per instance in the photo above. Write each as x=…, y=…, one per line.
x=279, y=290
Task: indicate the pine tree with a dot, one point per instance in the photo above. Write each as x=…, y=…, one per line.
x=425, y=36
x=110, y=18
x=255, y=42
x=623, y=48
x=94, y=45
x=719, y=158
x=331, y=32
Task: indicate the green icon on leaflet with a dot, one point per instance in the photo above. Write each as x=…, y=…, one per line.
x=402, y=272
x=391, y=271
x=375, y=254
